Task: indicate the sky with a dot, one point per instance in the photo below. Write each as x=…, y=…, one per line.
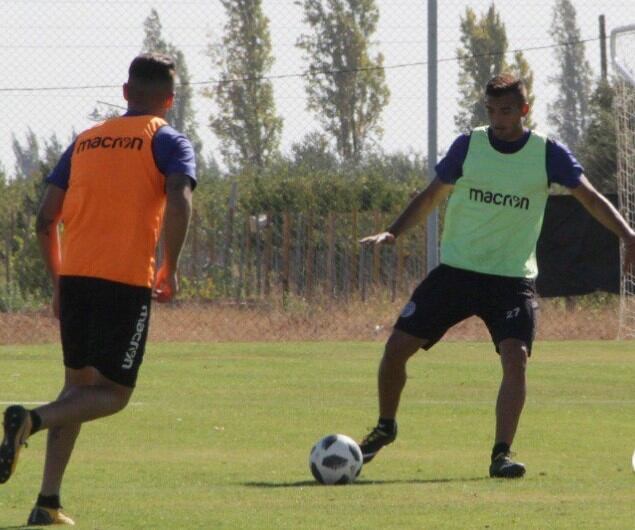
x=63, y=58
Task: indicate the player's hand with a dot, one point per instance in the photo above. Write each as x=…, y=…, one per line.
x=378, y=239
x=166, y=286
x=629, y=253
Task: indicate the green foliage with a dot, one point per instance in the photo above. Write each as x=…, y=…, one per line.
x=246, y=123
x=204, y=288
x=381, y=183
x=346, y=87
x=103, y=112
x=27, y=155
x=569, y=112
x=597, y=150
x=311, y=181
x=23, y=282
x=481, y=57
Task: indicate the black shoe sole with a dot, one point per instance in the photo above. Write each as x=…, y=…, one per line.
x=515, y=474
x=366, y=459
x=377, y=444
x=14, y=420
x=40, y=517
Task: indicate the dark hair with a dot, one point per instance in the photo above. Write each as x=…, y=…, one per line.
x=151, y=75
x=507, y=83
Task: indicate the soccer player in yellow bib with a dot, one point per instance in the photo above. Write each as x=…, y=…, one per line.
x=497, y=179
x=114, y=189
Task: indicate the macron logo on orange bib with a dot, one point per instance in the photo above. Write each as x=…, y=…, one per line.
x=109, y=142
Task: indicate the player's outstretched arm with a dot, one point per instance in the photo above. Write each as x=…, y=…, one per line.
x=418, y=209
x=178, y=210
x=602, y=210
x=48, y=237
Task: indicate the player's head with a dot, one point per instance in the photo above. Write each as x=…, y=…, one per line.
x=507, y=104
x=150, y=86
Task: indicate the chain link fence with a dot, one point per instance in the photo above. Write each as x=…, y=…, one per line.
x=622, y=54
x=281, y=232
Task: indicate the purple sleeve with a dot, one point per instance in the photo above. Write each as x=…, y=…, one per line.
x=562, y=167
x=62, y=171
x=173, y=153
x=450, y=168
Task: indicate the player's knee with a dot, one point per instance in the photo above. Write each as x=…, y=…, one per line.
x=123, y=401
x=120, y=398
x=514, y=354
x=400, y=347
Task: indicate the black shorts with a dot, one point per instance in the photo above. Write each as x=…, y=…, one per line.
x=449, y=295
x=104, y=324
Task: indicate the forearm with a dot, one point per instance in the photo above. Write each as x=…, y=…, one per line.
x=46, y=228
x=414, y=213
x=176, y=221
x=420, y=207
x=49, y=243
x=605, y=213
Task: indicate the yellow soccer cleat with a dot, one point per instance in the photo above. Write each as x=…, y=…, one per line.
x=45, y=516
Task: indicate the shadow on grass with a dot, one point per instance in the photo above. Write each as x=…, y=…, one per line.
x=21, y=527
x=362, y=482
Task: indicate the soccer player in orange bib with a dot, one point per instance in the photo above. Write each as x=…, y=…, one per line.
x=114, y=189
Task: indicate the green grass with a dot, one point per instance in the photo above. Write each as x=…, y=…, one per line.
x=218, y=436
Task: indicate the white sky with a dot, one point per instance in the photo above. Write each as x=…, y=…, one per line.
x=80, y=43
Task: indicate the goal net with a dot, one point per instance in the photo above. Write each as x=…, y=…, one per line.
x=623, y=59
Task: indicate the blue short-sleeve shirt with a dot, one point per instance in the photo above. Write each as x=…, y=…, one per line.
x=562, y=166
x=173, y=153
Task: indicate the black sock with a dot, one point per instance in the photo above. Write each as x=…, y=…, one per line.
x=36, y=421
x=499, y=448
x=49, y=501
x=387, y=424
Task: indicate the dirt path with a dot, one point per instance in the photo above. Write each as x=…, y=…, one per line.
x=356, y=321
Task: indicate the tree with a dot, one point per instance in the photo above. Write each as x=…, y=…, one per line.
x=345, y=85
x=246, y=124
x=53, y=150
x=481, y=57
x=153, y=34
x=24, y=274
x=314, y=152
x=104, y=111
x=181, y=116
x=569, y=112
x=597, y=149
x=27, y=156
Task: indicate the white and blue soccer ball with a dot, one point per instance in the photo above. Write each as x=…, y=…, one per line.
x=335, y=459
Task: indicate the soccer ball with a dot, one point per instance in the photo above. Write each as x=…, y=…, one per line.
x=335, y=459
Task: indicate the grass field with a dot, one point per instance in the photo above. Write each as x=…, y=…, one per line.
x=218, y=436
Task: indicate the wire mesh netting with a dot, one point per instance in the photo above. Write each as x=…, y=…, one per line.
x=623, y=51
x=280, y=225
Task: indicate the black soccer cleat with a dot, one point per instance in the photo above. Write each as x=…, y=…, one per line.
x=375, y=440
x=43, y=516
x=17, y=427
x=503, y=466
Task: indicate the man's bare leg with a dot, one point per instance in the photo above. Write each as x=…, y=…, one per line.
x=87, y=395
x=391, y=381
x=392, y=371
x=509, y=406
